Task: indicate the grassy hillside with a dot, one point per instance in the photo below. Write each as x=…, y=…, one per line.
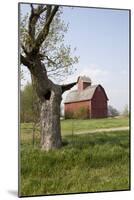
x=86, y=162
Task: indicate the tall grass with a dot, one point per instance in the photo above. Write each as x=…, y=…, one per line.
x=86, y=163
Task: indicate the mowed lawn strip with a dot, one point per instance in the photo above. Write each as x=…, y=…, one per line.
x=86, y=163
x=76, y=125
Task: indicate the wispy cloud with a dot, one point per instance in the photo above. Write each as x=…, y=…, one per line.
x=96, y=73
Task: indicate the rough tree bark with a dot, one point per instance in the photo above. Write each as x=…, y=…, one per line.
x=50, y=120
x=50, y=94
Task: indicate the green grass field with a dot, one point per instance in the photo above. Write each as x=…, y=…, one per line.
x=86, y=163
x=78, y=125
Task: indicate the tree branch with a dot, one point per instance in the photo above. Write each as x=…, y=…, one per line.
x=49, y=59
x=67, y=86
x=24, y=61
x=43, y=34
x=49, y=8
x=35, y=14
x=24, y=49
x=32, y=22
x=41, y=9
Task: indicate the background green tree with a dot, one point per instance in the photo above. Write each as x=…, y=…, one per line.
x=29, y=104
x=125, y=112
x=112, y=112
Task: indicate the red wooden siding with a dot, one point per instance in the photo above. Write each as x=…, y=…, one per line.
x=75, y=108
x=99, y=104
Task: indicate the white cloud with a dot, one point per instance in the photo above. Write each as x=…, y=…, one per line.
x=96, y=74
x=93, y=71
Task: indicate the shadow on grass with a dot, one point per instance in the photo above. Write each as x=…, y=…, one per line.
x=99, y=149
x=120, y=138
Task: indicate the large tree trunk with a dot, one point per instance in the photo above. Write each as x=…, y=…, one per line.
x=50, y=99
x=50, y=96
x=50, y=121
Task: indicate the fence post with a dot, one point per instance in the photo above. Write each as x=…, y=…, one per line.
x=72, y=130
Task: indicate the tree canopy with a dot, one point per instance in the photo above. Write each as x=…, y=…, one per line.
x=54, y=53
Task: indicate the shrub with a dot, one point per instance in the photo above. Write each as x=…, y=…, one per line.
x=81, y=113
x=69, y=115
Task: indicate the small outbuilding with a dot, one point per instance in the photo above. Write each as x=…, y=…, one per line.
x=88, y=101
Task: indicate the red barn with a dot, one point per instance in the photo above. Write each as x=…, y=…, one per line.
x=88, y=101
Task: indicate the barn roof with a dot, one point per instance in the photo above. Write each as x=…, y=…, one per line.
x=84, y=79
x=86, y=94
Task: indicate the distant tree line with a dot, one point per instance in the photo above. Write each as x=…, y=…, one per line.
x=113, y=112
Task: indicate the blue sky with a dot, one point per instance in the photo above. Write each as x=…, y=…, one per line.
x=101, y=38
